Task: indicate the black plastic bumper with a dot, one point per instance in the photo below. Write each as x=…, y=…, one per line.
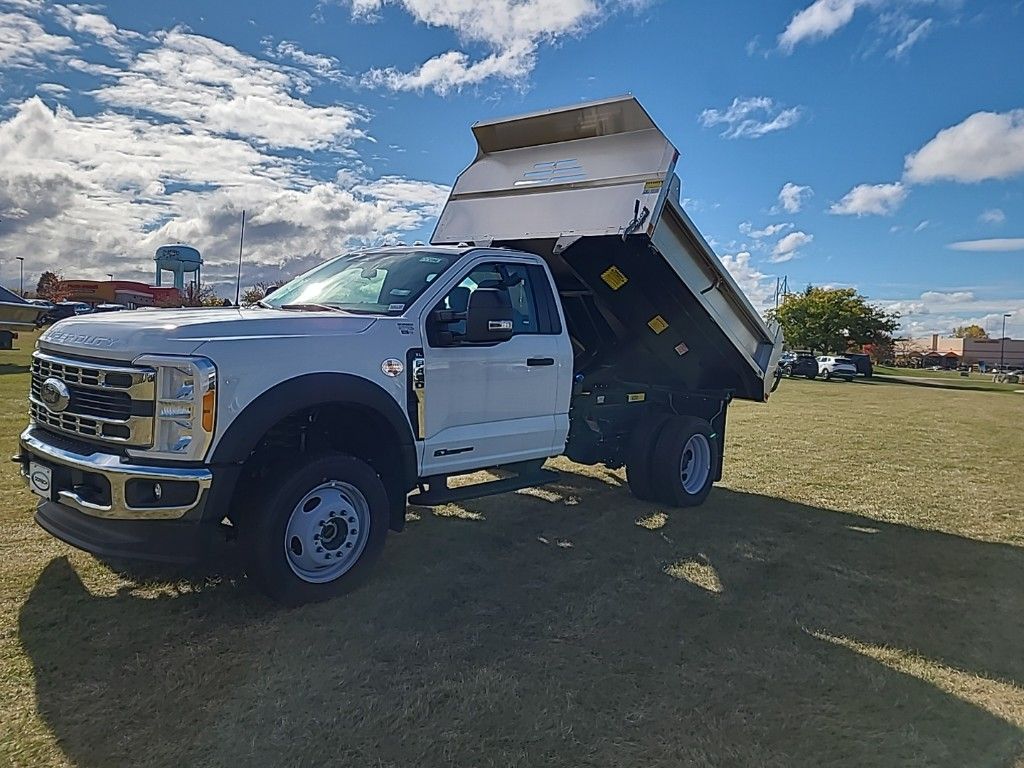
x=182, y=542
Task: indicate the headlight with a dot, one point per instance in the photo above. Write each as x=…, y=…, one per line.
x=185, y=409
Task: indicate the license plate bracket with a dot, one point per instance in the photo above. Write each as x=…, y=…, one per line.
x=40, y=480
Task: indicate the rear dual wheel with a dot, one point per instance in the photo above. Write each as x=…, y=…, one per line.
x=680, y=463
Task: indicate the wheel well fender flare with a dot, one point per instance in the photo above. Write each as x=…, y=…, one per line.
x=309, y=391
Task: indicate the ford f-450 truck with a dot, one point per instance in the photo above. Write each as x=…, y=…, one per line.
x=566, y=305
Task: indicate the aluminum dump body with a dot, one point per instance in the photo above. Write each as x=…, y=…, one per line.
x=592, y=188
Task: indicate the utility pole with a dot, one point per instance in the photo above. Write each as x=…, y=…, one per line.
x=22, y=287
x=1002, y=342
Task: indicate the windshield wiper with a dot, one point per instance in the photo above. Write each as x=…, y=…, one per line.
x=311, y=307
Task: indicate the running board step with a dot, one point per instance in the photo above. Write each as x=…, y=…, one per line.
x=433, y=497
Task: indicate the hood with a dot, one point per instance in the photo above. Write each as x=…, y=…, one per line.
x=125, y=335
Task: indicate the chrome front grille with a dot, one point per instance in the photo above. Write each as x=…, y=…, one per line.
x=105, y=402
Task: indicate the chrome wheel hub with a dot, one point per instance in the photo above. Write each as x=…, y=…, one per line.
x=695, y=464
x=327, y=532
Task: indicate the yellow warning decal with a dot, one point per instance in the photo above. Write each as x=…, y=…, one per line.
x=614, y=277
x=652, y=186
x=657, y=324
x=636, y=397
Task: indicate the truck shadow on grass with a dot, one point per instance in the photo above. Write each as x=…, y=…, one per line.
x=551, y=629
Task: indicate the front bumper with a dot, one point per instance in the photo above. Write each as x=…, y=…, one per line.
x=107, y=524
x=103, y=485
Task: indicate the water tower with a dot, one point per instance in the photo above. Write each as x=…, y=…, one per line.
x=178, y=259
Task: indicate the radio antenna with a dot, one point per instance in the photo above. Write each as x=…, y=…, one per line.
x=238, y=278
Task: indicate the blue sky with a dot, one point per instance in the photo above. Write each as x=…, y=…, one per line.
x=872, y=143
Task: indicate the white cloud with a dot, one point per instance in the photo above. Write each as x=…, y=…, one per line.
x=819, y=20
x=942, y=311
x=992, y=216
x=751, y=118
x=987, y=145
x=510, y=30
x=823, y=18
x=197, y=79
x=787, y=248
x=319, y=65
x=995, y=244
x=454, y=70
x=871, y=199
x=178, y=136
x=905, y=308
x=912, y=32
x=792, y=196
x=769, y=231
x=81, y=19
x=947, y=297
x=759, y=287
x=922, y=226
x=55, y=89
x=23, y=41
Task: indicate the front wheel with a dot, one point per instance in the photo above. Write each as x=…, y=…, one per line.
x=685, y=462
x=317, y=534
x=828, y=375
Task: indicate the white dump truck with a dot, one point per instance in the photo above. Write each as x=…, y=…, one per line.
x=566, y=305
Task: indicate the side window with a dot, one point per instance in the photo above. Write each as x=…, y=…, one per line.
x=514, y=279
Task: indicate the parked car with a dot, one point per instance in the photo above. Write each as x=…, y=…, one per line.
x=798, y=363
x=862, y=362
x=833, y=367
x=65, y=309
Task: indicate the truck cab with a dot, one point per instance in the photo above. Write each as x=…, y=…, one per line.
x=566, y=305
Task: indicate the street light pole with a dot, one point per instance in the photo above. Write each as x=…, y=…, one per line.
x=22, y=286
x=1002, y=343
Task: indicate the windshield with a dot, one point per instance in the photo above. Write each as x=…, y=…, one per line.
x=372, y=282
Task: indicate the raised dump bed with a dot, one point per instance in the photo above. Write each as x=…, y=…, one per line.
x=592, y=189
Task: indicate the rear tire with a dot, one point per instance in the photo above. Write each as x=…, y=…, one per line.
x=686, y=462
x=317, y=534
x=640, y=454
x=812, y=376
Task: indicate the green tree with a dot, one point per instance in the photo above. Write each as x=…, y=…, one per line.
x=833, y=320
x=970, y=332
x=48, y=286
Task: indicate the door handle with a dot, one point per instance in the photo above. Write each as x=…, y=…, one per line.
x=531, y=361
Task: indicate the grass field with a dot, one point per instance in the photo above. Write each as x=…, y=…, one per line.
x=945, y=379
x=852, y=594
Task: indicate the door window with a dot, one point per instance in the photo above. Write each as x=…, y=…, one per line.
x=514, y=279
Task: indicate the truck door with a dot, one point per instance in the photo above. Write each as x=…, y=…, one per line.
x=486, y=405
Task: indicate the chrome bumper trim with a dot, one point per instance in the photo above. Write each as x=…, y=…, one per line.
x=117, y=474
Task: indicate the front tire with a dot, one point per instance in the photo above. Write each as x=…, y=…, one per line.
x=685, y=462
x=317, y=534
